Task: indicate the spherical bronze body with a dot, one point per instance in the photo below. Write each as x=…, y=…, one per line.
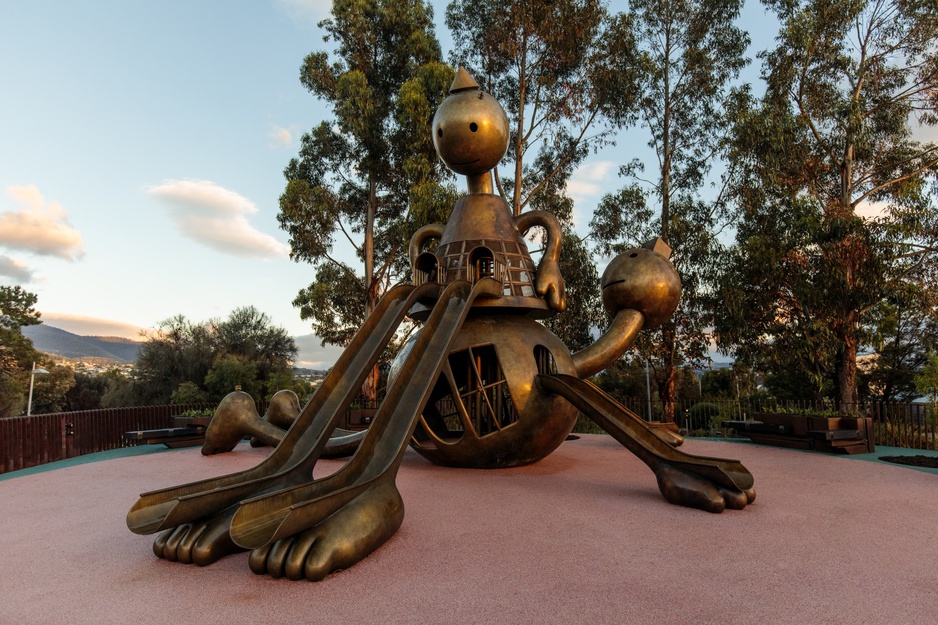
x=470, y=132
x=642, y=280
x=486, y=410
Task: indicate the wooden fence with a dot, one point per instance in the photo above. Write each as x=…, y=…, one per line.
x=895, y=424
x=37, y=439
x=913, y=425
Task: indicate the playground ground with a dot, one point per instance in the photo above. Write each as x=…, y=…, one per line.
x=580, y=537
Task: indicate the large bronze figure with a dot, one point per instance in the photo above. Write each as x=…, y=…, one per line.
x=482, y=384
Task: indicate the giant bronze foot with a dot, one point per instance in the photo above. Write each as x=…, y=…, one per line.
x=312, y=529
x=340, y=540
x=202, y=542
x=690, y=489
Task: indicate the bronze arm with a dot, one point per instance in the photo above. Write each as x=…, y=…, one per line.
x=549, y=281
x=611, y=345
x=427, y=233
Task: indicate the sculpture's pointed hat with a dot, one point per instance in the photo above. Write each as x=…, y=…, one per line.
x=463, y=81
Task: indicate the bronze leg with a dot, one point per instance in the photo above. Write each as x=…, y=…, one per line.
x=710, y=484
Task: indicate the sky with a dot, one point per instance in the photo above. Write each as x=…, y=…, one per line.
x=142, y=146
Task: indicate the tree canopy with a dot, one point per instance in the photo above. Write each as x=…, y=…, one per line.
x=17, y=308
x=368, y=178
x=689, y=52
x=187, y=362
x=833, y=188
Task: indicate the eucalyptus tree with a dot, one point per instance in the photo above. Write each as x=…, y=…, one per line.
x=689, y=52
x=17, y=309
x=367, y=178
x=250, y=335
x=564, y=72
x=836, y=212
x=902, y=332
x=179, y=352
x=184, y=361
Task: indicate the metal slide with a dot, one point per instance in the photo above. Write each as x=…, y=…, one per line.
x=632, y=431
x=267, y=518
x=293, y=459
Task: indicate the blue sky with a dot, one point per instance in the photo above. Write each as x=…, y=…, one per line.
x=141, y=154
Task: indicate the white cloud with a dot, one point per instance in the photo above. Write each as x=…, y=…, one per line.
x=587, y=185
x=12, y=268
x=279, y=137
x=591, y=180
x=40, y=226
x=871, y=210
x=92, y=326
x=311, y=354
x=215, y=217
x=305, y=12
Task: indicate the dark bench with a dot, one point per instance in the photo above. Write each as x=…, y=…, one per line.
x=846, y=435
x=185, y=432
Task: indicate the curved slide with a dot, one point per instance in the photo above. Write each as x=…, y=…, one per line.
x=632, y=431
x=293, y=459
x=277, y=515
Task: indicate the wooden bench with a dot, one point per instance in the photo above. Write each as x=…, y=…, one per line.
x=846, y=435
x=185, y=432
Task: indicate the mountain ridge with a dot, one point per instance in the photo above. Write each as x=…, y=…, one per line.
x=59, y=342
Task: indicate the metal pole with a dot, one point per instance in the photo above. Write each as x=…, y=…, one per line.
x=32, y=378
x=648, y=388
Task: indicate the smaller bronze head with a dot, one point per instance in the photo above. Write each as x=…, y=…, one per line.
x=470, y=128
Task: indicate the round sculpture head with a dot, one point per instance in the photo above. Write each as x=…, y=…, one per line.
x=470, y=128
x=642, y=280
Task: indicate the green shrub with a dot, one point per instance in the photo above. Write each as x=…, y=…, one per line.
x=705, y=419
x=585, y=425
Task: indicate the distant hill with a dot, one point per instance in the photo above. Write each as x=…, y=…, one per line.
x=53, y=340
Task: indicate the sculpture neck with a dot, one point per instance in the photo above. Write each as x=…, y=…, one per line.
x=480, y=183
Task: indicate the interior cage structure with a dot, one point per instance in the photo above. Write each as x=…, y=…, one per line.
x=473, y=395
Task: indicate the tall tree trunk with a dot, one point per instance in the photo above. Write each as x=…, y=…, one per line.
x=519, y=138
x=846, y=372
x=666, y=390
x=370, y=387
x=845, y=365
x=666, y=139
x=845, y=361
x=666, y=181
x=667, y=377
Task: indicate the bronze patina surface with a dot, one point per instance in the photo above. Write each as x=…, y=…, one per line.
x=482, y=385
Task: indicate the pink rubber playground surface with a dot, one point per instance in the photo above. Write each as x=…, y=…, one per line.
x=581, y=537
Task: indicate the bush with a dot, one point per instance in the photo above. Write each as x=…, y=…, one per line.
x=188, y=393
x=585, y=425
x=705, y=419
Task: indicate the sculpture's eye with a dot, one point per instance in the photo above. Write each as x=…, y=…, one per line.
x=473, y=126
x=439, y=132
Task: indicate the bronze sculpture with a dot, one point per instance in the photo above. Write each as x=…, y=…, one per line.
x=481, y=385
